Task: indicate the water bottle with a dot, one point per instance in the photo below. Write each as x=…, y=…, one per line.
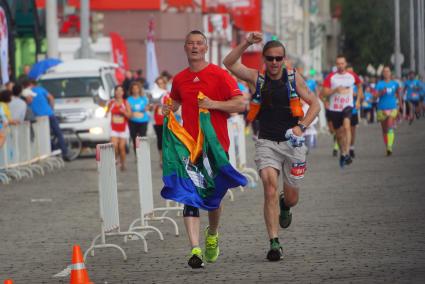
x=295, y=105
x=254, y=107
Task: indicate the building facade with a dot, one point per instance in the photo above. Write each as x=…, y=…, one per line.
x=307, y=30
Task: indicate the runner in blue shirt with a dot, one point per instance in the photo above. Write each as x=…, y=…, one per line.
x=388, y=93
x=367, y=105
x=140, y=117
x=413, y=87
x=354, y=120
x=423, y=97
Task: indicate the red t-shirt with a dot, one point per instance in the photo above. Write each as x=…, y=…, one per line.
x=118, y=120
x=339, y=101
x=213, y=82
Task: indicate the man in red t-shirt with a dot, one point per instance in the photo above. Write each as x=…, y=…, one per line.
x=222, y=97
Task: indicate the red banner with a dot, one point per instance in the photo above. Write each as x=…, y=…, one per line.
x=119, y=53
x=40, y=3
x=120, y=4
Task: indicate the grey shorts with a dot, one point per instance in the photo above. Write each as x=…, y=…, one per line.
x=280, y=155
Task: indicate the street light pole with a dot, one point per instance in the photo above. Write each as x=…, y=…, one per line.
x=306, y=45
x=418, y=28
x=412, y=36
x=52, y=29
x=397, y=59
x=85, y=50
x=419, y=22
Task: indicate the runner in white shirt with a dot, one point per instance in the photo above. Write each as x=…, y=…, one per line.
x=339, y=87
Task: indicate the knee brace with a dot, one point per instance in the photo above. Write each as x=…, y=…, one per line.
x=190, y=211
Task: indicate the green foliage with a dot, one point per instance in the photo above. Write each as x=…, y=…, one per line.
x=368, y=31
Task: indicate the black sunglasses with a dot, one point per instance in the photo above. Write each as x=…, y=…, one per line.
x=271, y=58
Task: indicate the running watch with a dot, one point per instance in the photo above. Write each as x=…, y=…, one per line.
x=302, y=127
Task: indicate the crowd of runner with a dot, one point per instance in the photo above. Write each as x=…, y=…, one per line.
x=384, y=99
x=283, y=125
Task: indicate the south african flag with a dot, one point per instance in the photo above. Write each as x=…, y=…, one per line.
x=196, y=173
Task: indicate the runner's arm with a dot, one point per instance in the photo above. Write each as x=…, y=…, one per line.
x=2, y=137
x=2, y=126
x=310, y=99
x=398, y=95
x=360, y=95
x=108, y=109
x=127, y=111
x=51, y=100
x=326, y=92
x=235, y=104
x=238, y=69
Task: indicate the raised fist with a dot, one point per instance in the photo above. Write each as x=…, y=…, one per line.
x=254, y=37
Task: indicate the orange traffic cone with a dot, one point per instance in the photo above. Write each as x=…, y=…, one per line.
x=8, y=281
x=79, y=273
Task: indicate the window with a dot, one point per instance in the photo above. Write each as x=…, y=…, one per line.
x=72, y=87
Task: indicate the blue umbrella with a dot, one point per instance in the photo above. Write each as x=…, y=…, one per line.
x=42, y=66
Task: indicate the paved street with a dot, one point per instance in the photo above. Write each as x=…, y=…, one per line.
x=363, y=224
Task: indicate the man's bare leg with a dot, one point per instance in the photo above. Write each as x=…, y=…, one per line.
x=271, y=200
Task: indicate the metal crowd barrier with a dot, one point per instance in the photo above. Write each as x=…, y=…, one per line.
x=237, y=149
x=27, y=150
x=147, y=210
x=108, y=202
x=322, y=125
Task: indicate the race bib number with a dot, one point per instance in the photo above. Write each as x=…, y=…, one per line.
x=118, y=119
x=339, y=102
x=298, y=170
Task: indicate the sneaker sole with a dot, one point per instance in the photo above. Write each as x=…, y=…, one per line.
x=274, y=255
x=195, y=262
x=285, y=222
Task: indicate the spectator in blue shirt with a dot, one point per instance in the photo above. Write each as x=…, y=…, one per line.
x=41, y=104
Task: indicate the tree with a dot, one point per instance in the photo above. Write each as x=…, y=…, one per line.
x=368, y=31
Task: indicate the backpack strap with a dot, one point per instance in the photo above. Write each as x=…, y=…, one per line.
x=258, y=86
x=292, y=85
x=288, y=76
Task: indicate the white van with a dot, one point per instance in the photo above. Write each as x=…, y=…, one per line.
x=82, y=89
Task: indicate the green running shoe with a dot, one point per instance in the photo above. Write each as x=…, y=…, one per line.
x=276, y=252
x=196, y=259
x=285, y=217
x=212, y=249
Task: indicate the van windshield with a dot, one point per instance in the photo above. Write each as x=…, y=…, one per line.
x=72, y=87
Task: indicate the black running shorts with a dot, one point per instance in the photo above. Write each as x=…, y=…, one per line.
x=337, y=117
